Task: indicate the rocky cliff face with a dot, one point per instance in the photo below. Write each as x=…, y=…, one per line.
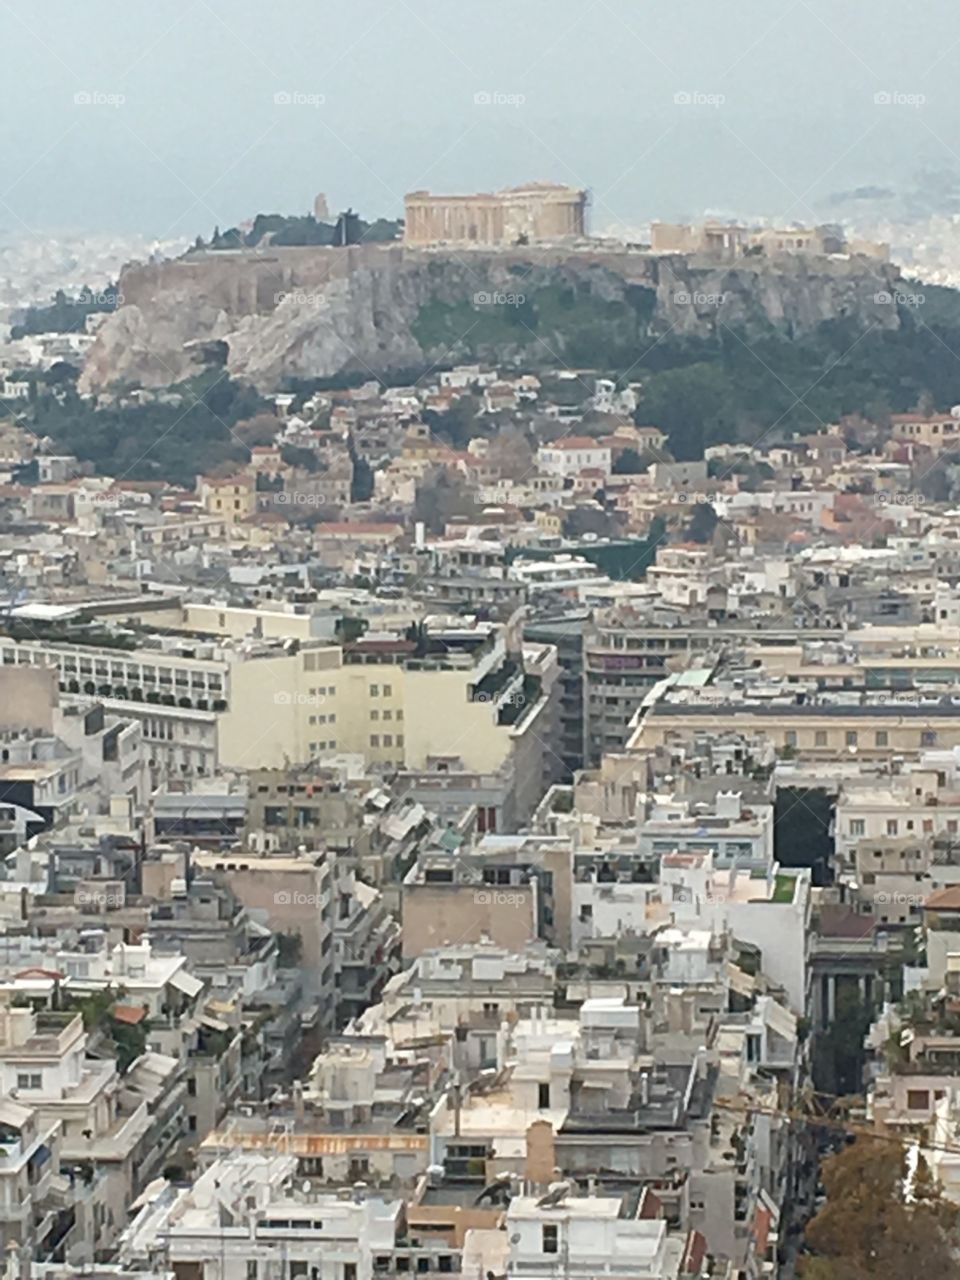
x=313, y=313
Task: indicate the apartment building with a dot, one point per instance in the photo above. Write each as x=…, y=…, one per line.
x=292, y=894
x=771, y=912
x=261, y=702
x=120, y=1130
x=174, y=694
x=933, y=431
x=511, y=889
x=38, y=1212
x=630, y=648
x=248, y=1216
x=917, y=802
x=469, y=989
x=577, y=1236
x=737, y=832
x=570, y=455
x=805, y=725
x=565, y=630
x=366, y=947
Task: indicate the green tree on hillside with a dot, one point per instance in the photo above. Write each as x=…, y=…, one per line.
x=694, y=405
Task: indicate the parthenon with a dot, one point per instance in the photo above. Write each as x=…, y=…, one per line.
x=538, y=212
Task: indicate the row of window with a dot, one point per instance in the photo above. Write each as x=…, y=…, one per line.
x=613, y=640
x=385, y=740
x=858, y=827
x=928, y=738
x=70, y=664
x=298, y=1270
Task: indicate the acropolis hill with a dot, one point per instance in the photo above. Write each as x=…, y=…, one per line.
x=316, y=312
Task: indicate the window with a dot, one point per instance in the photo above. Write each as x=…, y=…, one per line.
x=29, y=1080
x=551, y=1237
x=388, y=690
x=543, y=1096
x=252, y=1270
x=918, y=1099
x=928, y=738
x=851, y=737
x=790, y=738
x=892, y=826
x=374, y=690
x=820, y=738
x=374, y=739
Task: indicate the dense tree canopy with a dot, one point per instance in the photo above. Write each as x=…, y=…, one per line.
x=165, y=441
x=877, y=1226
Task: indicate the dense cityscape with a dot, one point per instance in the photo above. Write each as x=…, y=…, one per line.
x=479, y=691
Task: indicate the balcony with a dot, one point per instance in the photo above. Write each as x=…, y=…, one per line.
x=496, y=681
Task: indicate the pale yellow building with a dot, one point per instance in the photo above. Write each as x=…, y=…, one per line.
x=827, y=733
x=259, y=688
x=933, y=431
x=233, y=498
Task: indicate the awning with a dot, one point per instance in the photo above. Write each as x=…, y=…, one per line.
x=215, y=1024
x=187, y=983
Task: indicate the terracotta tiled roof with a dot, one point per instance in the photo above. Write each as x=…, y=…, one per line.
x=944, y=899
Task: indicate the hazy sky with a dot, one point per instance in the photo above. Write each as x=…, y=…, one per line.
x=183, y=130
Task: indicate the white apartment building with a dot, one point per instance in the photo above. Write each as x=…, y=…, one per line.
x=734, y=833
x=44, y=1067
x=157, y=983
x=569, y=456
x=772, y=912
x=584, y=1237
x=31, y=1186
x=247, y=1217
x=175, y=697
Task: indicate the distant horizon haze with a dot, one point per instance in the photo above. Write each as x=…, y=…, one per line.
x=168, y=120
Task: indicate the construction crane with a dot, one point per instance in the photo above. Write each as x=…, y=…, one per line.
x=832, y=1115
